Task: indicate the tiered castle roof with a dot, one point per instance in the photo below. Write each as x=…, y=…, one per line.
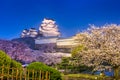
x=49, y=28
x=32, y=32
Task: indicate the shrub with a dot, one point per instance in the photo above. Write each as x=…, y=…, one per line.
x=15, y=64
x=7, y=61
x=8, y=64
x=54, y=74
x=4, y=59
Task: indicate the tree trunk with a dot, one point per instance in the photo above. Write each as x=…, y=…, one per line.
x=116, y=72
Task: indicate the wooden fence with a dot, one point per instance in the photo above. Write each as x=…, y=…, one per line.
x=7, y=73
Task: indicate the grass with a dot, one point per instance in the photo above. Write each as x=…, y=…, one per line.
x=85, y=76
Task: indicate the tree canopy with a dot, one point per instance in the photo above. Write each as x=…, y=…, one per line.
x=102, y=50
x=7, y=61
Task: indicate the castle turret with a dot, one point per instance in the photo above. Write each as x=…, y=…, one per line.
x=25, y=33
x=49, y=28
x=32, y=32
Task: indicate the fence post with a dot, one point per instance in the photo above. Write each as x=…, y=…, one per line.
x=21, y=70
x=12, y=73
x=32, y=74
x=35, y=75
x=8, y=73
x=16, y=73
x=43, y=75
x=25, y=73
x=28, y=74
x=2, y=72
x=49, y=75
x=40, y=75
x=46, y=75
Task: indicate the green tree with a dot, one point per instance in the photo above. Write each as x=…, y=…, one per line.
x=70, y=65
x=76, y=50
x=64, y=64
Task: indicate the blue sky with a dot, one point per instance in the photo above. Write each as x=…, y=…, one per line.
x=70, y=15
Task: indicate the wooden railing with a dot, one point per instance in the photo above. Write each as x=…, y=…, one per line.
x=7, y=73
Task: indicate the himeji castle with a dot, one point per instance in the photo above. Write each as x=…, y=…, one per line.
x=49, y=33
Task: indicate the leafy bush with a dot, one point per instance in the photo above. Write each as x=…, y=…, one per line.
x=7, y=61
x=54, y=74
x=4, y=59
x=69, y=66
x=15, y=64
x=8, y=64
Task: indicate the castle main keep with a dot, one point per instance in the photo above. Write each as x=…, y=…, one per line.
x=49, y=34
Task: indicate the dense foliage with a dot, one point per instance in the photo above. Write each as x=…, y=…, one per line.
x=54, y=74
x=4, y=59
x=102, y=47
x=77, y=49
x=69, y=67
x=7, y=61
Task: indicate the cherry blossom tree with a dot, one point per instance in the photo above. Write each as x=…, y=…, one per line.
x=101, y=47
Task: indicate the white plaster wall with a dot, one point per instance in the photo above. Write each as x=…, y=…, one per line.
x=45, y=41
x=66, y=42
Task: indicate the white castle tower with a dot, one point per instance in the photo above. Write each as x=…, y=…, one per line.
x=32, y=32
x=48, y=28
x=25, y=33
